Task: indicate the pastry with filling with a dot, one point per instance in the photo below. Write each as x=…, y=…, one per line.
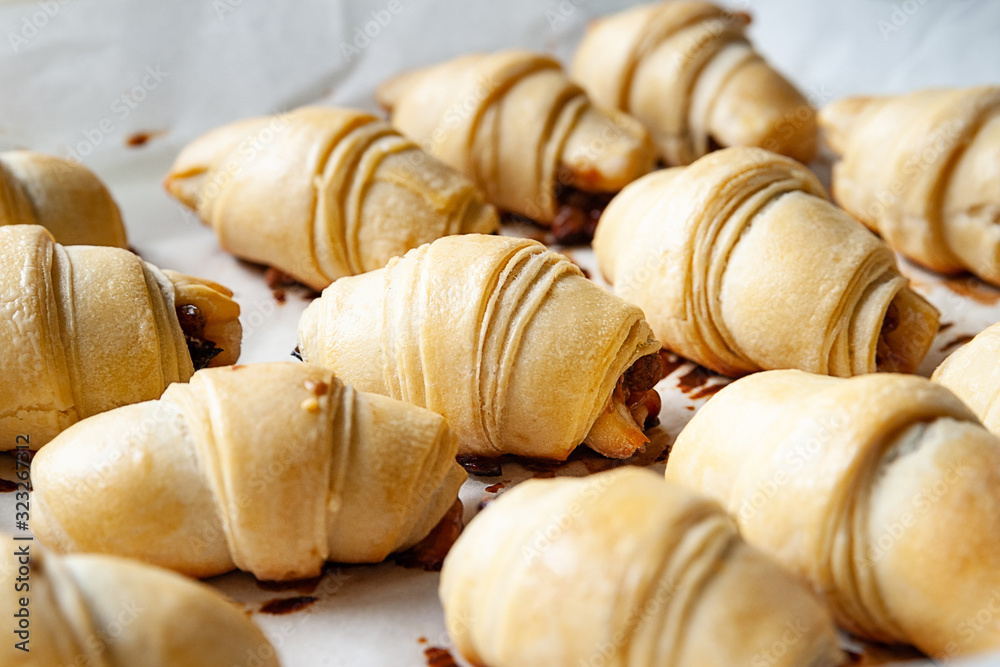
x=63, y=196
x=506, y=339
x=621, y=569
x=85, y=329
x=271, y=468
x=883, y=491
x=103, y=611
x=320, y=193
x=516, y=125
x=741, y=263
x=922, y=170
x=687, y=70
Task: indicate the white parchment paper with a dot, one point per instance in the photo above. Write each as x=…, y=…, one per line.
x=79, y=78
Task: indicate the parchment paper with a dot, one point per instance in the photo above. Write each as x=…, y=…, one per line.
x=86, y=79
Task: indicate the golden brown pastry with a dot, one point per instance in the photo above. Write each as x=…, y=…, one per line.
x=620, y=569
x=84, y=329
x=64, y=197
x=529, y=137
x=922, y=170
x=689, y=73
x=973, y=373
x=882, y=490
x=741, y=263
x=270, y=468
x=101, y=611
x=323, y=193
x=507, y=340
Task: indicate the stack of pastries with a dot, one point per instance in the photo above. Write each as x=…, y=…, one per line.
x=826, y=487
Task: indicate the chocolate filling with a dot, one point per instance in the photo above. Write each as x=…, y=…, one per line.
x=578, y=214
x=192, y=322
x=886, y=358
x=637, y=386
x=576, y=217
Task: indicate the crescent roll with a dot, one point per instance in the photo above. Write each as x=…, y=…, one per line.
x=323, y=193
x=621, y=569
x=85, y=329
x=102, y=611
x=741, y=263
x=272, y=468
x=529, y=137
x=972, y=372
x=882, y=490
x=689, y=73
x=63, y=196
x=506, y=339
x=922, y=170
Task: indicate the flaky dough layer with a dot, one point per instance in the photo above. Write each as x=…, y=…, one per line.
x=688, y=72
x=503, y=337
x=323, y=193
x=881, y=490
x=741, y=263
x=270, y=468
x=620, y=569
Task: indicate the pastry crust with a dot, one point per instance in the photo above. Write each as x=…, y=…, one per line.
x=515, y=124
x=323, y=193
x=270, y=468
x=64, y=197
x=103, y=611
x=687, y=71
x=88, y=328
x=922, y=170
x=881, y=490
x=972, y=372
x=741, y=263
x=504, y=338
x=618, y=569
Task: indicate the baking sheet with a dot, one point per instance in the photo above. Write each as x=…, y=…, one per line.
x=122, y=86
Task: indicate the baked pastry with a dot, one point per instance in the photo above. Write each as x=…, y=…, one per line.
x=922, y=170
x=972, y=372
x=270, y=468
x=741, y=263
x=881, y=490
x=627, y=569
x=529, y=137
x=85, y=329
x=689, y=73
x=323, y=193
x=506, y=339
x=102, y=611
x=64, y=197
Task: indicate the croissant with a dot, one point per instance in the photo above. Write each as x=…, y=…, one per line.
x=881, y=490
x=922, y=170
x=620, y=569
x=507, y=340
x=688, y=72
x=741, y=263
x=323, y=193
x=270, y=468
x=64, y=197
x=529, y=137
x=102, y=611
x=86, y=329
x=973, y=373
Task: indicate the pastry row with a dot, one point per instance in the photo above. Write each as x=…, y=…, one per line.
x=792, y=500
x=325, y=193
x=738, y=261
